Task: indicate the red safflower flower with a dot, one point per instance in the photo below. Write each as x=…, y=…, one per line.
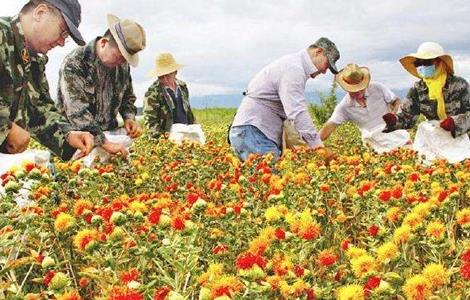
x=120, y=293
x=83, y=282
x=299, y=271
x=154, y=216
x=247, y=260
x=442, y=196
x=177, y=223
x=372, y=283
x=465, y=271
x=48, y=277
x=413, y=177
x=131, y=275
x=279, y=234
x=397, y=193
x=345, y=244
x=385, y=196
x=465, y=257
x=220, y=249
x=161, y=293
x=192, y=198
x=373, y=230
x=327, y=258
x=310, y=294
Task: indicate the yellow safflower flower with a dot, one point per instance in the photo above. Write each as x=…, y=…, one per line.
x=63, y=222
x=393, y=214
x=137, y=206
x=402, y=234
x=413, y=220
x=272, y=214
x=363, y=265
x=417, y=287
x=463, y=217
x=351, y=292
x=436, y=274
x=436, y=229
x=387, y=251
x=354, y=252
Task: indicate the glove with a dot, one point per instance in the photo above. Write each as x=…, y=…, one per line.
x=448, y=124
x=391, y=120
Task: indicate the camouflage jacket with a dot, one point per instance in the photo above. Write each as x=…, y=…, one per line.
x=159, y=108
x=91, y=95
x=24, y=92
x=457, y=101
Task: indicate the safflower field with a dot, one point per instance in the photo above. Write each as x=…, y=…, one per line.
x=193, y=222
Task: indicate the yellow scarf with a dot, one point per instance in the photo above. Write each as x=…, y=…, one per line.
x=435, y=86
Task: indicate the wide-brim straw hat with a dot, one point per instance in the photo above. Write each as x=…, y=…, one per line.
x=165, y=64
x=427, y=50
x=353, y=78
x=129, y=36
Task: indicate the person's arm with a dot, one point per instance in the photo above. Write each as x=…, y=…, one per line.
x=395, y=105
x=185, y=91
x=5, y=123
x=128, y=110
x=6, y=83
x=327, y=130
x=410, y=110
x=76, y=104
x=154, y=112
x=462, y=121
x=292, y=95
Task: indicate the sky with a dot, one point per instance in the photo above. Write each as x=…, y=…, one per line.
x=224, y=43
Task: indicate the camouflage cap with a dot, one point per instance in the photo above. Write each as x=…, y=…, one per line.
x=331, y=52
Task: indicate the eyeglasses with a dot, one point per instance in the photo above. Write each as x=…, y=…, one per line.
x=423, y=62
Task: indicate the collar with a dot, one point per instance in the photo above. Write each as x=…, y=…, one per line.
x=307, y=63
x=20, y=43
x=352, y=102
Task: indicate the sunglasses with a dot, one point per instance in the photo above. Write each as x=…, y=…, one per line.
x=423, y=62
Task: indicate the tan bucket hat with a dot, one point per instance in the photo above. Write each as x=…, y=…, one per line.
x=165, y=64
x=129, y=36
x=353, y=78
x=427, y=50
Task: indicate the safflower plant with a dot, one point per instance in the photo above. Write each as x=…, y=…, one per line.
x=193, y=222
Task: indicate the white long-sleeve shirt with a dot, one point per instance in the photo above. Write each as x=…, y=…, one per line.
x=277, y=93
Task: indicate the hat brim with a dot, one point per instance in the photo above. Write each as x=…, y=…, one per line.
x=73, y=30
x=158, y=73
x=133, y=60
x=408, y=62
x=354, y=87
x=333, y=68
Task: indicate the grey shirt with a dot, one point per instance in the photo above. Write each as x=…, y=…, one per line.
x=277, y=93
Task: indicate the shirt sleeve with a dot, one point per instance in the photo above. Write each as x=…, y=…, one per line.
x=46, y=124
x=5, y=80
x=410, y=110
x=76, y=105
x=462, y=120
x=292, y=95
x=154, y=112
x=128, y=110
x=387, y=93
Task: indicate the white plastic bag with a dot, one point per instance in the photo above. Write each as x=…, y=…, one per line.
x=116, y=136
x=383, y=142
x=435, y=143
x=191, y=133
x=39, y=157
x=7, y=161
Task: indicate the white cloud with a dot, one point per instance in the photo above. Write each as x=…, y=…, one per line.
x=225, y=42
